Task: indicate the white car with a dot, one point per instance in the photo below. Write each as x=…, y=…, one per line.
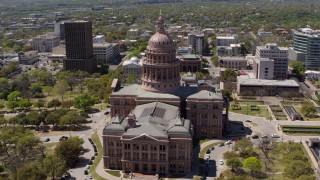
x=275, y=136
x=221, y=162
x=87, y=167
x=264, y=136
x=207, y=157
x=229, y=142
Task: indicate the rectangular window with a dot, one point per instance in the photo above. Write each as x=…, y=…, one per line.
x=162, y=148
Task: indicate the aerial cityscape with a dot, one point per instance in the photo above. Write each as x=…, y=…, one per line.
x=160, y=89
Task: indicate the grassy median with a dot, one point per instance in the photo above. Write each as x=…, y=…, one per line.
x=94, y=174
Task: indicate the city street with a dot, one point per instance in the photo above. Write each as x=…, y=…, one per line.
x=98, y=122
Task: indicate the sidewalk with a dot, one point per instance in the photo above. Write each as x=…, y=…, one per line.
x=313, y=160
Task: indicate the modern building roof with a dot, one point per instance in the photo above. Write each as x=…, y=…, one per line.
x=264, y=82
x=311, y=72
x=102, y=45
x=204, y=94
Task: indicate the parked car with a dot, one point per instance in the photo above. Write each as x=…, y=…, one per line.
x=264, y=136
x=255, y=137
x=222, y=144
x=87, y=167
x=92, y=158
x=229, y=142
x=86, y=172
x=212, y=148
x=207, y=157
x=248, y=120
x=221, y=162
x=235, y=139
x=275, y=136
x=63, y=138
x=90, y=162
x=208, y=151
x=46, y=140
x=96, y=154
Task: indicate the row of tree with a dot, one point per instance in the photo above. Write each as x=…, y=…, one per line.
x=25, y=157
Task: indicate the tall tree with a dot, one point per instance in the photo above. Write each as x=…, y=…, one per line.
x=234, y=164
x=30, y=172
x=83, y=101
x=54, y=166
x=69, y=149
x=252, y=163
x=61, y=88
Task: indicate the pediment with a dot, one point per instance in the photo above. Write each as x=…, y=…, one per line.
x=144, y=137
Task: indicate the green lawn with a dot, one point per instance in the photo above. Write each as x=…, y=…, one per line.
x=50, y=146
x=203, y=141
x=92, y=170
x=316, y=118
x=246, y=109
x=114, y=172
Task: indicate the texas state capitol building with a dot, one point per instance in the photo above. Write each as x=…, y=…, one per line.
x=153, y=124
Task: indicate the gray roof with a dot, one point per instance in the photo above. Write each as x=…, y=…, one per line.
x=178, y=126
x=204, y=94
x=153, y=119
x=265, y=82
x=136, y=90
x=133, y=89
x=117, y=123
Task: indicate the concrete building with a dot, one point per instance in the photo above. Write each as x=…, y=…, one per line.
x=133, y=32
x=150, y=131
x=184, y=50
x=236, y=63
x=196, y=41
x=190, y=62
x=226, y=40
x=59, y=29
x=79, y=47
x=99, y=39
x=258, y=87
x=264, y=34
x=132, y=66
x=45, y=43
x=280, y=57
x=103, y=53
x=28, y=58
x=307, y=41
x=263, y=68
x=312, y=75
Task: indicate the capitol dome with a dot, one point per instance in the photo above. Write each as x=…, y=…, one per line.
x=160, y=39
x=160, y=70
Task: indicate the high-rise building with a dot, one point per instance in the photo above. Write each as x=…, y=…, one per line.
x=79, y=47
x=59, y=29
x=45, y=43
x=196, y=41
x=307, y=41
x=263, y=68
x=280, y=57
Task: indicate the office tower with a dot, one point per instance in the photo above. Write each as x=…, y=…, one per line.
x=79, y=47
